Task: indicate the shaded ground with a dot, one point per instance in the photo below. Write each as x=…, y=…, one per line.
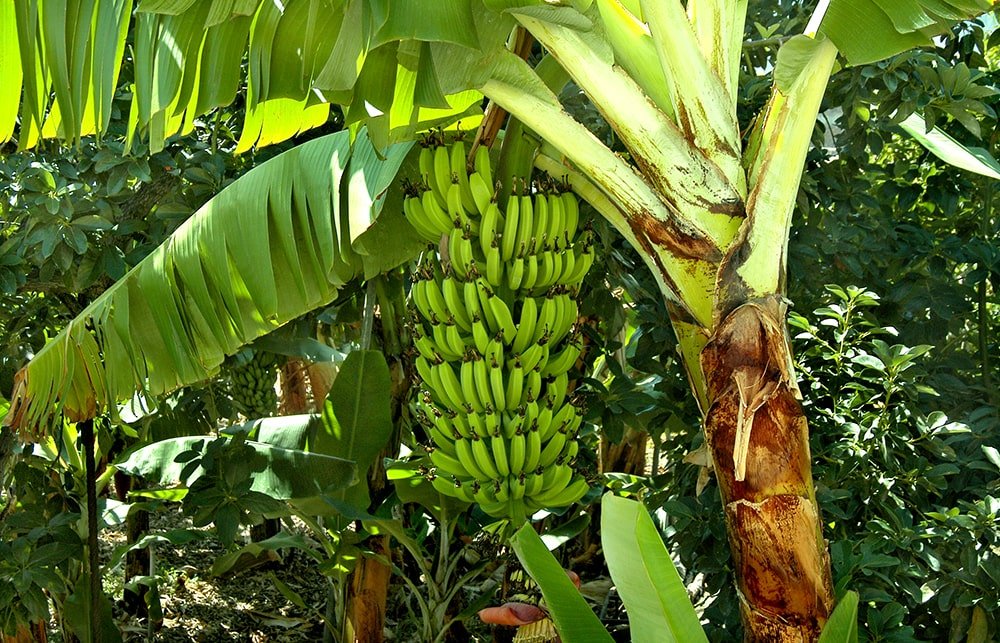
x=243, y=606
x=247, y=606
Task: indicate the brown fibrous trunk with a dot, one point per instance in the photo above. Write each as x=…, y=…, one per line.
x=759, y=441
x=367, y=594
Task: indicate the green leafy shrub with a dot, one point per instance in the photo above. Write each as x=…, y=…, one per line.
x=909, y=495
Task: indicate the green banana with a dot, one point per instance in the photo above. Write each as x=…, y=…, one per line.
x=504, y=319
x=569, y=494
x=454, y=300
x=517, y=453
x=482, y=193
x=555, y=480
x=441, y=180
x=508, y=240
x=515, y=274
x=557, y=221
x=481, y=379
x=556, y=389
x=435, y=299
x=470, y=296
x=434, y=212
x=467, y=458
x=541, y=223
x=459, y=424
x=467, y=380
x=532, y=386
x=525, y=223
x=498, y=448
x=443, y=340
x=552, y=450
x=484, y=458
x=562, y=361
x=448, y=464
x=460, y=172
x=414, y=213
x=515, y=388
x=494, y=267
x=533, y=484
x=571, y=216
x=532, y=449
x=446, y=487
x=497, y=387
x=525, y=325
x=513, y=422
x=478, y=425
x=482, y=164
x=530, y=277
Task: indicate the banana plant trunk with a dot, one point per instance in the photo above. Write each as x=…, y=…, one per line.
x=758, y=439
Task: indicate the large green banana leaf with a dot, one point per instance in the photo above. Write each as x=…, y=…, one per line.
x=400, y=67
x=275, y=244
x=869, y=30
x=60, y=62
x=282, y=474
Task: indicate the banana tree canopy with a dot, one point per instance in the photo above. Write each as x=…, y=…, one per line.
x=399, y=66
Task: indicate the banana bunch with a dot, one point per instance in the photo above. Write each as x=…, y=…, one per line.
x=496, y=309
x=251, y=386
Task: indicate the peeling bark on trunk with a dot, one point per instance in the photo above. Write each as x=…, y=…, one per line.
x=294, y=389
x=33, y=633
x=367, y=595
x=759, y=442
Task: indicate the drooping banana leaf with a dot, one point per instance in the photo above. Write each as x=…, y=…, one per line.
x=574, y=619
x=357, y=420
x=275, y=244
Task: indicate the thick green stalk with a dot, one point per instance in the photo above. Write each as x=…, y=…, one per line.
x=718, y=26
x=636, y=53
x=705, y=110
x=986, y=230
x=689, y=179
x=755, y=265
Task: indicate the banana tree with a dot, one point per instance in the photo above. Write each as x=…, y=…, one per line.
x=708, y=208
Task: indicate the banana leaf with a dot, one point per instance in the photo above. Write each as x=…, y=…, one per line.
x=188, y=59
x=282, y=474
x=276, y=243
x=869, y=30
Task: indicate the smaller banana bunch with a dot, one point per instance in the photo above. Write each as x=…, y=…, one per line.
x=251, y=386
x=495, y=335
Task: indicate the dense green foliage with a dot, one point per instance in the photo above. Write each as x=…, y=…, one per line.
x=898, y=363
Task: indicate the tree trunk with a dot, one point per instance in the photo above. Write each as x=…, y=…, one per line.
x=139, y=561
x=293, y=401
x=367, y=594
x=627, y=456
x=759, y=442
x=31, y=633
x=368, y=584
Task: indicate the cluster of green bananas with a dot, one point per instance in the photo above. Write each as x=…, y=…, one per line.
x=251, y=385
x=495, y=336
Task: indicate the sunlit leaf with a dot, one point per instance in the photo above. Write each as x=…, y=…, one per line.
x=270, y=247
x=655, y=598
x=574, y=619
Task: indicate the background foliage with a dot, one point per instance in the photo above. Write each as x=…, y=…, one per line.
x=898, y=361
